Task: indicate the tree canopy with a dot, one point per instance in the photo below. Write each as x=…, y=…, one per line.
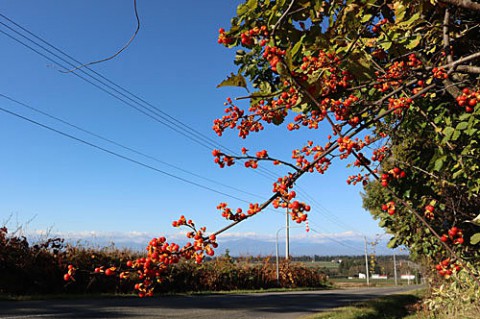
x=397, y=85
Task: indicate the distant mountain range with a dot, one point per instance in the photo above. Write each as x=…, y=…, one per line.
x=262, y=247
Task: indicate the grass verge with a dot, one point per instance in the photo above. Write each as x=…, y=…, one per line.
x=399, y=306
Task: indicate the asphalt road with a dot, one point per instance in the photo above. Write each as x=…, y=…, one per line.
x=262, y=305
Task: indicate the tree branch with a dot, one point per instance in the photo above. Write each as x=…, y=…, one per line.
x=468, y=69
x=446, y=36
x=466, y=4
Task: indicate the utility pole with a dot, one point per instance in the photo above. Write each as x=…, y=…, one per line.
x=276, y=250
x=287, y=236
x=408, y=272
x=366, y=262
x=395, y=268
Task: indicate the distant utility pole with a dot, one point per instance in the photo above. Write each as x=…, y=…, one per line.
x=287, y=236
x=366, y=262
x=395, y=268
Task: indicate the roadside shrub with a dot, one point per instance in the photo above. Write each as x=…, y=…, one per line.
x=39, y=269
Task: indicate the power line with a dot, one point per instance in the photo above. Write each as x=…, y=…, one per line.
x=137, y=108
x=136, y=102
x=123, y=146
x=334, y=240
x=165, y=118
x=129, y=159
x=327, y=214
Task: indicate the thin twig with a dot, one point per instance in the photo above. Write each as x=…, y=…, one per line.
x=281, y=18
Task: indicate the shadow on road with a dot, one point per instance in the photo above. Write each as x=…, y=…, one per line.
x=264, y=305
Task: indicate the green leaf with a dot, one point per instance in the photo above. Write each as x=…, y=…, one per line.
x=414, y=42
x=407, y=24
x=297, y=46
x=448, y=132
x=456, y=135
x=386, y=45
x=366, y=17
x=247, y=7
x=457, y=173
x=439, y=163
x=475, y=239
x=462, y=126
x=392, y=243
x=400, y=11
x=234, y=80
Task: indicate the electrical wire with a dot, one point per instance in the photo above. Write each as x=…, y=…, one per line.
x=136, y=102
x=325, y=212
x=129, y=159
x=125, y=147
x=336, y=241
x=165, y=118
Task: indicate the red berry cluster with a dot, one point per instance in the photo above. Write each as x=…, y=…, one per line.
x=160, y=255
x=274, y=56
x=223, y=38
x=297, y=211
x=234, y=114
x=222, y=159
x=247, y=37
x=272, y=111
x=429, y=212
x=396, y=73
x=347, y=146
x=420, y=86
x=359, y=178
x=377, y=27
x=109, y=271
x=325, y=82
x=394, y=173
x=342, y=109
x=70, y=275
x=399, y=104
x=361, y=160
x=300, y=156
x=455, y=236
x=439, y=73
x=228, y=213
x=389, y=207
x=380, y=153
x=468, y=99
x=310, y=120
x=446, y=268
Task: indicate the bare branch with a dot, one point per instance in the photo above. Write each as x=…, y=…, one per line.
x=446, y=36
x=119, y=51
x=462, y=60
x=468, y=69
x=466, y=4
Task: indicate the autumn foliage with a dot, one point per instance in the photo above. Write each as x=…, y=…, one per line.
x=395, y=84
x=27, y=268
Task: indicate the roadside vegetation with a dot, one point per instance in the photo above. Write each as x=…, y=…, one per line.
x=32, y=269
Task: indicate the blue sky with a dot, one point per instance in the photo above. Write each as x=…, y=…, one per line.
x=175, y=63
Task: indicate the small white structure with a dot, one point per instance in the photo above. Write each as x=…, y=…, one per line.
x=407, y=277
x=361, y=276
x=377, y=276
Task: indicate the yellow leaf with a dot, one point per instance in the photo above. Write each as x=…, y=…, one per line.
x=234, y=80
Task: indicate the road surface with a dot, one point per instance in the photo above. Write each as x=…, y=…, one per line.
x=279, y=305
